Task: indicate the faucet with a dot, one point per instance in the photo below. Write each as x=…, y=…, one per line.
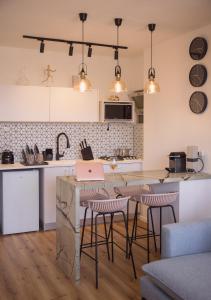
x=58, y=155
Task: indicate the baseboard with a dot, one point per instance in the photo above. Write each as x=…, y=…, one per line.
x=47, y=226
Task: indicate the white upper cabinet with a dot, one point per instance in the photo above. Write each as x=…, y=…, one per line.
x=68, y=105
x=24, y=103
x=47, y=104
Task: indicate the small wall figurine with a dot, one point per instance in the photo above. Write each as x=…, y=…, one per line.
x=48, y=75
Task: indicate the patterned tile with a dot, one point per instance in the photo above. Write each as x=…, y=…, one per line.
x=15, y=136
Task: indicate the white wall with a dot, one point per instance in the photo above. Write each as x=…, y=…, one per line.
x=15, y=61
x=169, y=123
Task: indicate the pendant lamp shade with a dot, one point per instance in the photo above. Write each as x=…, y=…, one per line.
x=151, y=87
x=83, y=84
x=118, y=85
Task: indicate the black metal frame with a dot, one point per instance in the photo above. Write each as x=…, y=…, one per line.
x=72, y=42
x=150, y=233
x=105, y=241
x=135, y=226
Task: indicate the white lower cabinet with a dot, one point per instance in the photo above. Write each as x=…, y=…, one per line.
x=124, y=167
x=48, y=195
x=20, y=201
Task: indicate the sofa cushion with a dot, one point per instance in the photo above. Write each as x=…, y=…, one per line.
x=151, y=291
x=188, y=277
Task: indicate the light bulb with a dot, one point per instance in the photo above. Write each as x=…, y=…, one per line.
x=83, y=85
x=152, y=87
x=118, y=86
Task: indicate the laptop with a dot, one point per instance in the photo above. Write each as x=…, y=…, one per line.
x=89, y=170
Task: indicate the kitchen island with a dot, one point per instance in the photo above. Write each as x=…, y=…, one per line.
x=47, y=184
x=194, y=203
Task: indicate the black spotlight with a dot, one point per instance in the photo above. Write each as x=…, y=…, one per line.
x=42, y=47
x=71, y=50
x=116, y=54
x=90, y=51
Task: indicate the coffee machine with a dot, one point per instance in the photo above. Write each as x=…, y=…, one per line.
x=194, y=162
x=177, y=162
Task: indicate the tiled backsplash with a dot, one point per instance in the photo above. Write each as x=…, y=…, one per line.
x=138, y=140
x=15, y=136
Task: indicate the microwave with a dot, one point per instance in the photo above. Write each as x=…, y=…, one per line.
x=117, y=111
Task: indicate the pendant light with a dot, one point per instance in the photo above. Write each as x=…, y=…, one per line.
x=118, y=85
x=151, y=86
x=84, y=84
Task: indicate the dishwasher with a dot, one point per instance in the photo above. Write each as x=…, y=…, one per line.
x=19, y=201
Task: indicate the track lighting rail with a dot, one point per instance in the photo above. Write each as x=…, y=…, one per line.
x=42, y=39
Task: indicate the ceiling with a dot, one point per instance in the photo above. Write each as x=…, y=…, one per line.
x=59, y=19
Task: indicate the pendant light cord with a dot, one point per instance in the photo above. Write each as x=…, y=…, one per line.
x=151, y=49
x=118, y=43
x=82, y=44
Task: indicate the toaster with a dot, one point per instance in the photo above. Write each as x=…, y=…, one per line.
x=7, y=157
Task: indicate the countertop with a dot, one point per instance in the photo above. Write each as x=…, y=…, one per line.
x=135, y=178
x=59, y=163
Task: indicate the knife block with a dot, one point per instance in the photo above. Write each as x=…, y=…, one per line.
x=87, y=153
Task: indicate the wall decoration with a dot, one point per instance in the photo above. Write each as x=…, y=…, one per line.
x=198, y=48
x=198, y=75
x=198, y=102
x=48, y=76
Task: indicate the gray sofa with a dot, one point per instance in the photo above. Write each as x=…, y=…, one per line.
x=184, y=272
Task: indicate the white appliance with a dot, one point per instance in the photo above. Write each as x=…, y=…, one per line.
x=20, y=201
x=116, y=111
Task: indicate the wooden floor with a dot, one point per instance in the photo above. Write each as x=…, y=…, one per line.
x=28, y=271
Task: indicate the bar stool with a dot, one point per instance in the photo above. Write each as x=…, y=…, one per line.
x=84, y=197
x=154, y=201
x=134, y=193
x=109, y=207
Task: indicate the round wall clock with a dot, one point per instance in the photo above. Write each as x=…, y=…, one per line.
x=198, y=102
x=198, y=48
x=198, y=75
